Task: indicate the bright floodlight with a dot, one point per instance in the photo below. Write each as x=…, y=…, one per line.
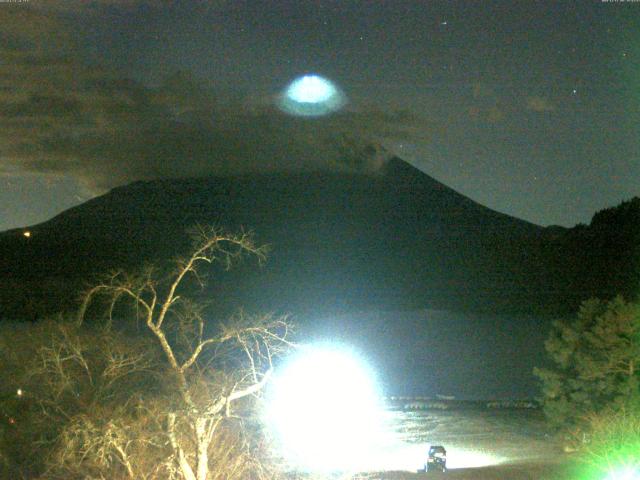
x=311, y=95
x=323, y=408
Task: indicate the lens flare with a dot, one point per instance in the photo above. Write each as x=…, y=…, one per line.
x=629, y=473
x=311, y=96
x=324, y=409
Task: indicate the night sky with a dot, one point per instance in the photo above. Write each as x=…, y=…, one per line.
x=529, y=108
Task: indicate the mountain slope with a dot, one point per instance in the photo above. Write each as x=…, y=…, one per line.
x=396, y=239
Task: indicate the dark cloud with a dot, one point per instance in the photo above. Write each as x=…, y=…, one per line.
x=89, y=6
x=84, y=5
x=60, y=116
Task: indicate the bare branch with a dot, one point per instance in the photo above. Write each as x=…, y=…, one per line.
x=194, y=356
x=238, y=356
x=250, y=390
x=187, y=471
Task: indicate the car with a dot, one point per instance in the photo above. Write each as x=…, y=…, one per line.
x=436, y=459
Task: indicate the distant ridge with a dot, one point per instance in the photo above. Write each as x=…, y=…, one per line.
x=339, y=242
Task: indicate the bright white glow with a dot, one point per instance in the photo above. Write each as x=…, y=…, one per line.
x=325, y=413
x=324, y=409
x=629, y=473
x=399, y=455
x=311, y=96
x=26, y=233
x=461, y=458
x=310, y=89
x=19, y=392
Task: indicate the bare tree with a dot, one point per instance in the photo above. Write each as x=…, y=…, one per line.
x=73, y=389
x=213, y=373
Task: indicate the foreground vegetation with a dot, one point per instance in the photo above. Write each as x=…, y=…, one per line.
x=142, y=384
x=151, y=389
x=592, y=393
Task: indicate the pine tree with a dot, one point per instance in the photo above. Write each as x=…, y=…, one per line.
x=596, y=361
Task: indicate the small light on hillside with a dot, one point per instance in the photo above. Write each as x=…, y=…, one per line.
x=26, y=233
x=19, y=392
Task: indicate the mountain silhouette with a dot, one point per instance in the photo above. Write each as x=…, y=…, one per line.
x=393, y=239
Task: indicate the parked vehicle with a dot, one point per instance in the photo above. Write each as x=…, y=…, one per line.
x=436, y=459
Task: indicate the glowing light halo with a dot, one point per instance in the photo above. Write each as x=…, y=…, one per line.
x=395, y=454
x=628, y=473
x=324, y=410
x=325, y=413
x=310, y=89
x=467, y=458
x=311, y=96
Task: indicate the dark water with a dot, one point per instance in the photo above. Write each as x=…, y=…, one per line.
x=429, y=352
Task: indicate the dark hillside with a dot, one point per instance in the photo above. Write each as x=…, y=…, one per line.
x=601, y=259
x=339, y=242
